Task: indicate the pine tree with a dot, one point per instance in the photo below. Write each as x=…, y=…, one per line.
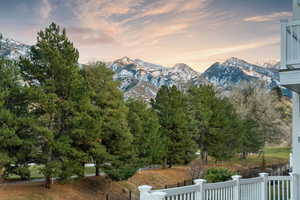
x=144, y=125
x=17, y=141
x=60, y=104
x=170, y=105
x=251, y=141
x=214, y=123
x=118, y=161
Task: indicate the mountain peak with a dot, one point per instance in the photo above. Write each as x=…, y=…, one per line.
x=181, y=66
x=125, y=60
x=234, y=61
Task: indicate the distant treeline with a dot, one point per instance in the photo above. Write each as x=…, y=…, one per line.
x=62, y=116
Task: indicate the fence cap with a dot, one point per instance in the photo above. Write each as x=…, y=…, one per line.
x=199, y=181
x=263, y=174
x=236, y=177
x=144, y=188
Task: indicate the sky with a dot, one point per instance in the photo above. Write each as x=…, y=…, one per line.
x=166, y=32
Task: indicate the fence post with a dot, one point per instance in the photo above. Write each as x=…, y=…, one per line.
x=264, y=186
x=158, y=195
x=237, y=187
x=294, y=187
x=145, y=192
x=130, y=195
x=201, y=192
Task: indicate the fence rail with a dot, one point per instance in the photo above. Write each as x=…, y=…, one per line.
x=264, y=187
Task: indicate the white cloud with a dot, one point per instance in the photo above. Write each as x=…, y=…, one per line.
x=268, y=18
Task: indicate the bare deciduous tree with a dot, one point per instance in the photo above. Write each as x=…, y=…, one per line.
x=253, y=101
x=196, y=169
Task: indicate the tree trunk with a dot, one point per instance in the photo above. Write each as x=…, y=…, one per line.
x=243, y=156
x=165, y=163
x=83, y=169
x=97, y=169
x=48, y=182
x=204, y=157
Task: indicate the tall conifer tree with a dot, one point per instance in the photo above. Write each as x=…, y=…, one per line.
x=60, y=104
x=171, y=106
x=148, y=140
x=118, y=161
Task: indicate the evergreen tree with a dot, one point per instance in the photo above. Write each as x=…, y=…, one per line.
x=170, y=105
x=144, y=125
x=17, y=141
x=118, y=160
x=60, y=104
x=225, y=129
x=251, y=141
x=214, y=123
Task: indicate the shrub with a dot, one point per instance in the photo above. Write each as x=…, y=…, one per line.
x=218, y=174
x=196, y=169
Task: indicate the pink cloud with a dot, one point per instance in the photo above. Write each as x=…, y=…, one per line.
x=89, y=37
x=267, y=18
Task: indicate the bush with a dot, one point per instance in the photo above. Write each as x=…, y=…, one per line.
x=218, y=174
x=196, y=169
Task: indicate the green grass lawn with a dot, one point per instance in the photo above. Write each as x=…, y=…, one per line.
x=278, y=152
x=273, y=155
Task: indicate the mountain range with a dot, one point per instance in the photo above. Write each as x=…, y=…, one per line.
x=140, y=79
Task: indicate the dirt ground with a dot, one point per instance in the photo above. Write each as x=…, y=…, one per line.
x=93, y=188
x=87, y=189
x=96, y=188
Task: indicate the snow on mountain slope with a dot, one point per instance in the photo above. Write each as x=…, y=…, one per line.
x=235, y=71
x=12, y=49
x=137, y=75
x=140, y=79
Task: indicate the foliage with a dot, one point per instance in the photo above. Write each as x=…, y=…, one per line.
x=116, y=138
x=144, y=125
x=61, y=115
x=17, y=142
x=214, y=122
x=217, y=174
x=171, y=105
x=251, y=140
x=64, y=124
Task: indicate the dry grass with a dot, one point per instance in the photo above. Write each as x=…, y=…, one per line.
x=95, y=188
x=89, y=188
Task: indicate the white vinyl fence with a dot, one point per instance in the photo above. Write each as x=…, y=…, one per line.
x=263, y=187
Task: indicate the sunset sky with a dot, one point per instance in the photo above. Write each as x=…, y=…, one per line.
x=195, y=32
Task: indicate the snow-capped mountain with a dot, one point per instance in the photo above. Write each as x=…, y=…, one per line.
x=12, y=49
x=235, y=71
x=142, y=79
